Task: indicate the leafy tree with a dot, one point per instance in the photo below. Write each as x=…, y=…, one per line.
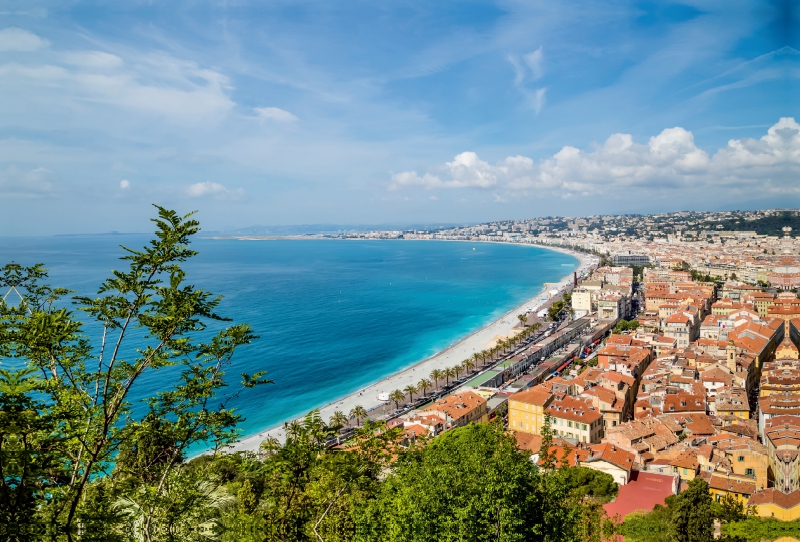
x=555, y=310
x=626, y=325
x=687, y=517
x=470, y=483
x=71, y=433
x=654, y=526
x=756, y=529
x=586, y=482
x=692, y=515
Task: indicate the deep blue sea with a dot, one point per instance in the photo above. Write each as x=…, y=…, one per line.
x=333, y=316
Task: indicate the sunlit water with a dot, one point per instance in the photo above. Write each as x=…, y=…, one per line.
x=333, y=316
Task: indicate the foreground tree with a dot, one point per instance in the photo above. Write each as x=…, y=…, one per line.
x=70, y=436
x=467, y=484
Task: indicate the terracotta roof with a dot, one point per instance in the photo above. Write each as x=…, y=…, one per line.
x=772, y=496
x=528, y=441
x=726, y=483
x=612, y=454
x=534, y=396
x=684, y=402
x=573, y=409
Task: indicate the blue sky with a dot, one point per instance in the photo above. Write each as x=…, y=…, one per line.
x=375, y=112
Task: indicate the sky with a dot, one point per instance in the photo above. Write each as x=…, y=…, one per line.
x=306, y=112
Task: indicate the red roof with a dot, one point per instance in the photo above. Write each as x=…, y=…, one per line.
x=643, y=492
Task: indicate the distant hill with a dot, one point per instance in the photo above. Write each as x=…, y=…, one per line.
x=768, y=225
x=312, y=229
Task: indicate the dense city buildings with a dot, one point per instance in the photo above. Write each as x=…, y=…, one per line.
x=677, y=355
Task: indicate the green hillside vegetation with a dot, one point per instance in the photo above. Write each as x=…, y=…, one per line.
x=768, y=225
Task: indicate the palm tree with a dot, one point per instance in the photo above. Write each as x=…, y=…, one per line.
x=448, y=374
x=485, y=354
x=467, y=365
x=457, y=369
x=523, y=318
x=475, y=357
x=411, y=389
x=338, y=419
x=359, y=413
x=424, y=385
x=437, y=375
x=397, y=396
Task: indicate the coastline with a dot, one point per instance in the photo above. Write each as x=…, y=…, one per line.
x=453, y=354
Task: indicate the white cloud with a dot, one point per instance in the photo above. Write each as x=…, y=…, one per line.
x=274, y=113
x=92, y=59
x=466, y=170
x=535, y=61
x=538, y=99
x=208, y=188
x=668, y=160
x=19, y=39
x=529, y=67
x=169, y=87
x=33, y=183
x=124, y=184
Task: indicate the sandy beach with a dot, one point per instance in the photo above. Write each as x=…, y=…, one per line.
x=454, y=354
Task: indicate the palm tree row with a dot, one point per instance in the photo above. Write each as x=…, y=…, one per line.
x=466, y=367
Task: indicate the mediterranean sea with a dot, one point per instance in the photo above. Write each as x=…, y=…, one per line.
x=333, y=316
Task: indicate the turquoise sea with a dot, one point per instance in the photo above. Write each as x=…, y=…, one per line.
x=333, y=316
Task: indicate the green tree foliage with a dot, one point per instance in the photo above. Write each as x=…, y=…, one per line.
x=692, y=514
x=654, y=526
x=756, y=529
x=306, y=490
x=626, y=325
x=586, y=482
x=72, y=451
x=471, y=483
x=555, y=309
x=688, y=517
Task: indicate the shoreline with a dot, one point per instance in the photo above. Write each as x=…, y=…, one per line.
x=449, y=356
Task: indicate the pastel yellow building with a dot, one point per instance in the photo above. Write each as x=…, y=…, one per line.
x=773, y=503
x=720, y=485
x=526, y=410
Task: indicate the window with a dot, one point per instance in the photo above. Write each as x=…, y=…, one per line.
x=749, y=472
x=685, y=471
x=741, y=458
x=520, y=425
x=584, y=427
x=569, y=424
